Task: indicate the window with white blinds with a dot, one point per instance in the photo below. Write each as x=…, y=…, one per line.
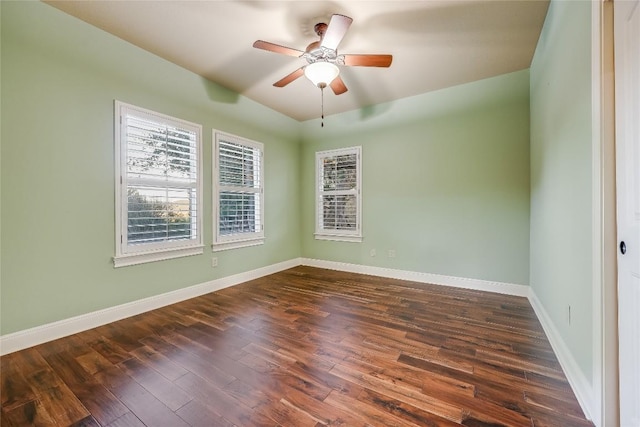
x=158, y=185
x=238, y=191
x=338, y=195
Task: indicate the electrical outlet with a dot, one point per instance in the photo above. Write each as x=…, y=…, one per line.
x=214, y=261
x=392, y=253
x=372, y=252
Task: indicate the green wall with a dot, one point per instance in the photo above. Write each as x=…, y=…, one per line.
x=445, y=179
x=60, y=77
x=445, y=174
x=561, y=175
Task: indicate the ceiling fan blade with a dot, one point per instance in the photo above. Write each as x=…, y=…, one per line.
x=338, y=86
x=336, y=30
x=272, y=47
x=368, y=60
x=289, y=78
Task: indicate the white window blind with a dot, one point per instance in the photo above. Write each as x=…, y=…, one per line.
x=158, y=180
x=338, y=201
x=239, y=192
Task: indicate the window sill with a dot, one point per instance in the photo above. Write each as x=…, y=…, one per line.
x=235, y=244
x=338, y=237
x=144, y=257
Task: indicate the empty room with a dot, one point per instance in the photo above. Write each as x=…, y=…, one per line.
x=320, y=213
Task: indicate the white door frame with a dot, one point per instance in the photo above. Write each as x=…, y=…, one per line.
x=627, y=61
x=605, y=410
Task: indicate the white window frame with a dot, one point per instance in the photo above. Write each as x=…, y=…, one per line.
x=142, y=253
x=322, y=233
x=223, y=242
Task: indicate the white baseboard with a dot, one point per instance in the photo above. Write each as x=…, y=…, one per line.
x=40, y=334
x=414, y=276
x=29, y=337
x=579, y=383
x=51, y=331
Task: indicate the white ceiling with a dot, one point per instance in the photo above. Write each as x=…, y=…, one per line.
x=435, y=44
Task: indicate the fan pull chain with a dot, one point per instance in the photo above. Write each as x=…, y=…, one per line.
x=322, y=106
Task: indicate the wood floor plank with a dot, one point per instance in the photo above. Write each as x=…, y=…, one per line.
x=86, y=422
x=16, y=390
x=366, y=412
x=93, y=362
x=162, y=364
x=143, y=404
x=283, y=413
x=32, y=413
x=61, y=404
x=200, y=415
x=407, y=395
x=101, y=403
x=403, y=411
x=302, y=347
x=313, y=384
x=180, y=351
x=160, y=387
x=553, y=405
x=127, y=420
x=216, y=399
x=110, y=350
x=325, y=413
x=249, y=395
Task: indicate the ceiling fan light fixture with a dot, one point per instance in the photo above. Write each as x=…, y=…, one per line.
x=321, y=73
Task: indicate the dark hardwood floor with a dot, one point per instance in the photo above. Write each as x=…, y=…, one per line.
x=304, y=347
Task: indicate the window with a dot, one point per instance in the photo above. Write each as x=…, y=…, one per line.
x=158, y=186
x=338, y=195
x=238, y=191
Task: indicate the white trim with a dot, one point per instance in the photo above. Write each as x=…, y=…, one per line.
x=595, y=405
x=51, y=331
x=126, y=254
x=237, y=240
x=416, y=276
x=332, y=234
x=338, y=237
x=577, y=380
x=144, y=257
x=235, y=244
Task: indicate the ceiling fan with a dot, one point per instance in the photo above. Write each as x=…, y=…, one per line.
x=323, y=58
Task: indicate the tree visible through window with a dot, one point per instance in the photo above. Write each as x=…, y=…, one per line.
x=159, y=182
x=163, y=211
